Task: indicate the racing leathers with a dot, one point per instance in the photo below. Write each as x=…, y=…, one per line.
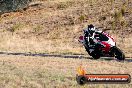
x=92, y=40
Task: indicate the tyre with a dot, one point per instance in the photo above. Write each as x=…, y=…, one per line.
x=81, y=80
x=87, y=51
x=119, y=54
x=94, y=54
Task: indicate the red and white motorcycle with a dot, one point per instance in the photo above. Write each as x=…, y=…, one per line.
x=106, y=47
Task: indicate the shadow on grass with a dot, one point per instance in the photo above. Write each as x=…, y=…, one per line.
x=76, y=56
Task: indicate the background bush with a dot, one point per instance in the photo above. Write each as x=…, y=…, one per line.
x=13, y=5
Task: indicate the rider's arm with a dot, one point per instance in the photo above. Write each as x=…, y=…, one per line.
x=85, y=33
x=95, y=37
x=86, y=36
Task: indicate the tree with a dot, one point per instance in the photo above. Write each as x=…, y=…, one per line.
x=13, y=5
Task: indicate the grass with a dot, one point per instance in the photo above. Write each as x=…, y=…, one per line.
x=54, y=27
x=56, y=46
x=41, y=72
x=64, y=5
x=119, y=17
x=15, y=27
x=38, y=28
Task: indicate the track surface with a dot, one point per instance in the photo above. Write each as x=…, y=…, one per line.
x=76, y=56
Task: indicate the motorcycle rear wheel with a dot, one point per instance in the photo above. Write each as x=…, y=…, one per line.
x=94, y=54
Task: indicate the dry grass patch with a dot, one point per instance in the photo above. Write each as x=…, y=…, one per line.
x=41, y=72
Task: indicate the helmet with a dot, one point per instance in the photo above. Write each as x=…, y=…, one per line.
x=91, y=29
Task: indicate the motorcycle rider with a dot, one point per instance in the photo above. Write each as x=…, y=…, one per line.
x=99, y=43
x=91, y=34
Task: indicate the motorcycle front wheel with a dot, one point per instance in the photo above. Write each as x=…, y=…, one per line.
x=119, y=54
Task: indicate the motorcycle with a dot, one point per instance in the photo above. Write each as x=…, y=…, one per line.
x=106, y=47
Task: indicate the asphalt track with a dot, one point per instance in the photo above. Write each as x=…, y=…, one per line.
x=75, y=56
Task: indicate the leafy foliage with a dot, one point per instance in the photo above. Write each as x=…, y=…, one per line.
x=12, y=5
